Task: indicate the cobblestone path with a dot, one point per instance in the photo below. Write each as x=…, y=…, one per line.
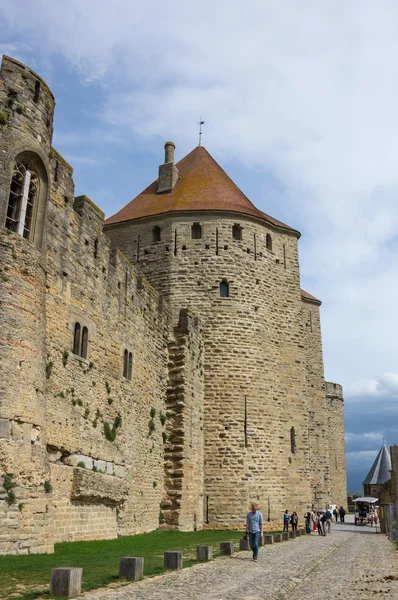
x=349, y=564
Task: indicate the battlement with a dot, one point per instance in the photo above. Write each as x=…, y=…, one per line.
x=334, y=390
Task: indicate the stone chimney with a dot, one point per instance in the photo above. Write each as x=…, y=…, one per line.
x=168, y=172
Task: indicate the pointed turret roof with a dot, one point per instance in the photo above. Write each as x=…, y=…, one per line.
x=380, y=470
x=202, y=186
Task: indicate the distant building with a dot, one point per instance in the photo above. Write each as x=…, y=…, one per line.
x=378, y=474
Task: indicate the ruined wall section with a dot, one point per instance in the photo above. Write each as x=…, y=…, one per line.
x=318, y=431
x=335, y=420
x=89, y=401
x=182, y=506
x=253, y=348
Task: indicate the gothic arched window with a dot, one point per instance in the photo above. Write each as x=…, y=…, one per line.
x=84, y=343
x=76, y=339
x=22, y=202
x=125, y=363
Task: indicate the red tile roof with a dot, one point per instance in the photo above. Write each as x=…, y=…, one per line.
x=306, y=296
x=203, y=186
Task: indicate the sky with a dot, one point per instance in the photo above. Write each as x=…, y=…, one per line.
x=300, y=107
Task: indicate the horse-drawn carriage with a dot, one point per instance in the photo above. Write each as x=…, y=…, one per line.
x=366, y=511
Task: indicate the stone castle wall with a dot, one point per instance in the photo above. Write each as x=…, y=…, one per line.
x=95, y=438
x=255, y=346
x=226, y=401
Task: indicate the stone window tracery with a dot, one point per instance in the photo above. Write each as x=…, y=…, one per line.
x=22, y=203
x=127, y=365
x=80, y=341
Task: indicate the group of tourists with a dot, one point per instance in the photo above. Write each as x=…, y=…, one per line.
x=315, y=520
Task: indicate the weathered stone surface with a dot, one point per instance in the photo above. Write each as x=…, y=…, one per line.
x=131, y=568
x=285, y=536
x=173, y=560
x=226, y=548
x=88, y=485
x=292, y=535
x=4, y=428
x=268, y=539
x=66, y=582
x=204, y=553
x=277, y=538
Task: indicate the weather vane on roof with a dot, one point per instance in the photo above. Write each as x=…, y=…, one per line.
x=200, y=130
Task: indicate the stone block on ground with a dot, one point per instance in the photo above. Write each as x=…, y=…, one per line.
x=268, y=539
x=285, y=536
x=302, y=531
x=277, y=537
x=66, y=582
x=131, y=568
x=244, y=544
x=292, y=535
x=173, y=560
x=226, y=548
x=298, y=533
x=204, y=552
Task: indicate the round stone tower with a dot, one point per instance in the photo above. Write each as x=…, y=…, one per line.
x=335, y=403
x=26, y=118
x=203, y=245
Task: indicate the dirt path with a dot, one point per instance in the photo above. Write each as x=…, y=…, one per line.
x=349, y=564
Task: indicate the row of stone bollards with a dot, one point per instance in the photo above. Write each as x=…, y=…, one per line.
x=67, y=582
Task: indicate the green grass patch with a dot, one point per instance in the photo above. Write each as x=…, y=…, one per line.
x=28, y=577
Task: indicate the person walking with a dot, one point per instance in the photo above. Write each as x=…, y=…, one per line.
x=319, y=524
x=307, y=520
x=342, y=514
x=286, y=519
x=329, y=518
x=336, y=514
x=254, y=527
x=294, y=521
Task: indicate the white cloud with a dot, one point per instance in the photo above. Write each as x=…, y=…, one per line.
x=305, y=90
x=386, y=386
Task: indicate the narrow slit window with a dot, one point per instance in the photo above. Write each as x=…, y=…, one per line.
x=237, y=231
x=76, y=339
x=125, y=363
x=293, y=440
x=196, y=231
x=37, y=91
x=130, y=367
x=156, y=234
x=268, y=242
x=84, y=342
x=224, y=289
x=95, y=248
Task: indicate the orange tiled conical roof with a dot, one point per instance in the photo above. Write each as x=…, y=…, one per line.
x=203, y=186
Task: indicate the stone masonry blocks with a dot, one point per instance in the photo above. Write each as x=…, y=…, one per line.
x=204, y=553
x=226, y=548
x=173, y=560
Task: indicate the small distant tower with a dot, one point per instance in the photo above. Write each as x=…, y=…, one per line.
x=379, y=473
